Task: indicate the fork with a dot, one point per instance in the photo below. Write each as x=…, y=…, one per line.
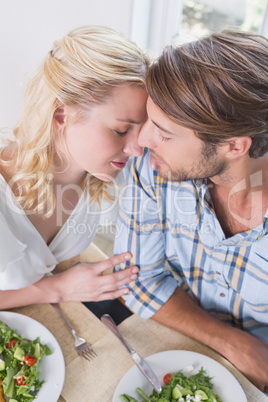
x=82, y=347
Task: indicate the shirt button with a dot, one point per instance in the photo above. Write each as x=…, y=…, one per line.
x=222, y=294
x=218, y=273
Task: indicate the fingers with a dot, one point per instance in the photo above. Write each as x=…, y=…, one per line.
x=116, y=280
x=124, y=276
x=102, y=266
x=112, y=295
x=94, y=286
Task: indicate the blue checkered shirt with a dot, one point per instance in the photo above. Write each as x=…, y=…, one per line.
x=176, y=240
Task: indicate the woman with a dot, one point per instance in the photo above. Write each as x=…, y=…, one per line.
x=84, y=108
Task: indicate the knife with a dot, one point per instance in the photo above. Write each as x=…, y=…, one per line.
x=141, y=363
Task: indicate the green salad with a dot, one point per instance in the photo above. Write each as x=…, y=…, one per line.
x=180, y=388
x=19, y=358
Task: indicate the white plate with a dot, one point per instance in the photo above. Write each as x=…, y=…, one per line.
x=52, y=367
x=171, y=361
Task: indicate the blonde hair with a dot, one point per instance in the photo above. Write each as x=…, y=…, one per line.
x=81, y=70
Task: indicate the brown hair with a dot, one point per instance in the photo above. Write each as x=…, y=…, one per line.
x=217, y=86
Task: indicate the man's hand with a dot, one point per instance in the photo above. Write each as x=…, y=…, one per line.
x=250, y=356
x=247, y=353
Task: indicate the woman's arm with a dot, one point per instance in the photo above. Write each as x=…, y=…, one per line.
x=82, y=282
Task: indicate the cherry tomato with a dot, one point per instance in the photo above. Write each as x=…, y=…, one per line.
x=11, y=343
x=167, y=378
x=29, y=360
x=20, y=381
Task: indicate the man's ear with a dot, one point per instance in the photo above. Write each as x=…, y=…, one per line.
x=238, y=146
x=59, y=116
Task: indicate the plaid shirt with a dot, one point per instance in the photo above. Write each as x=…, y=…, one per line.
x=174, y=222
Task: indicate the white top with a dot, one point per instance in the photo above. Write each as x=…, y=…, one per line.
x=24, y=255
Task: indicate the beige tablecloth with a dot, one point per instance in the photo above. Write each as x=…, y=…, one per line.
x=96, y=381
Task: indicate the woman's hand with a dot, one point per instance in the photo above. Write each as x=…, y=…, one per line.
x=82, y=282
x=86, y=282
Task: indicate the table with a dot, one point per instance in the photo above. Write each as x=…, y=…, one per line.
x=96, y=381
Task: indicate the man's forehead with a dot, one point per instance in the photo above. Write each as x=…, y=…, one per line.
x=162, y=121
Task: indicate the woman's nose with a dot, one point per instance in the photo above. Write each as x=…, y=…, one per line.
x=132, y=147
x=146, y=136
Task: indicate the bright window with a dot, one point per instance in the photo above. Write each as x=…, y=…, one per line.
x=202, y=17
x=157, y=23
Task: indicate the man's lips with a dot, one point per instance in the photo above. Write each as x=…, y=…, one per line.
x=154, y=161
x=119, y=164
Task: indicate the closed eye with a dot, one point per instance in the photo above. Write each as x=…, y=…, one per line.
x=121, y=133
x=163, y=138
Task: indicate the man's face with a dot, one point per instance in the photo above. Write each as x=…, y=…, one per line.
x=176, y=151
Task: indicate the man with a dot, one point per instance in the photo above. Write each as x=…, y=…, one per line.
x=198, y=199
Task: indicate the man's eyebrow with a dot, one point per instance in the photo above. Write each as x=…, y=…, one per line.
x=129, y=121
x=163, y=129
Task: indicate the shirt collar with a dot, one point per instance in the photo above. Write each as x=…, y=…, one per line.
x=200, y=183
x=204, y=195
x=265, y=223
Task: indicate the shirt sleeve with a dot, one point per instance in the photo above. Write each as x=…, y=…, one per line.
x=139, y=231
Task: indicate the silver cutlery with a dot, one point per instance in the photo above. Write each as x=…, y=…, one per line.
x=82, y=347
x=141, y=363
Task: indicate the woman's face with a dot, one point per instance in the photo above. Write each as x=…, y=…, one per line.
x=103, y=139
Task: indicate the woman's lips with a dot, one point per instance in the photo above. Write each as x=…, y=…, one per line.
x=120, y=164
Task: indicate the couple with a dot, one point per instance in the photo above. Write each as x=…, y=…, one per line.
x=197, y=194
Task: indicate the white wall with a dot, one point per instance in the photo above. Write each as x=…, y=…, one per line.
x=28, y=29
